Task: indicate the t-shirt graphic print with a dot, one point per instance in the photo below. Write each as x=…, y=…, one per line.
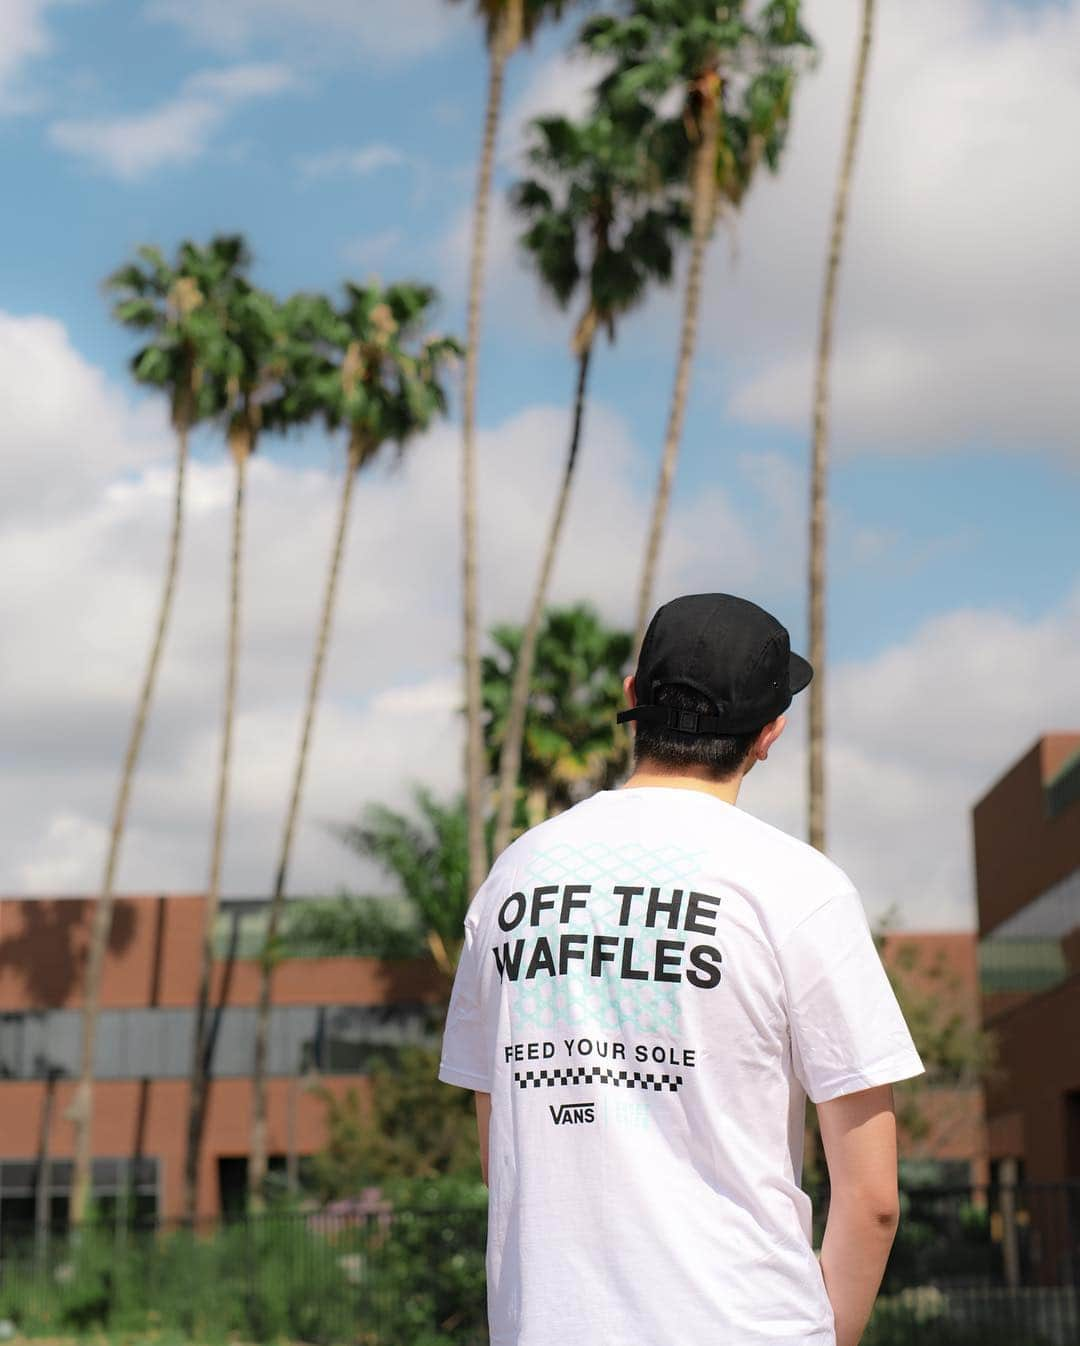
x=652, y=983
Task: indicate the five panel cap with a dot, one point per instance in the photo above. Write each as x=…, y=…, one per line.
x=733, y=652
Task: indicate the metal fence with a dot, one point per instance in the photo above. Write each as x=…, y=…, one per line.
x=989, y=1266
x=992, y=1265
x=337, y=1275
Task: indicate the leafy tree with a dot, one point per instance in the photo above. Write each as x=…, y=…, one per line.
x=819, y=450
x=245, y=356
x=570, y=745
x=507, y=23
x=176, y=306
x=366, y=369
x=956, y=1050
x=598, y=223
x=409, y=1125
x=734, y=69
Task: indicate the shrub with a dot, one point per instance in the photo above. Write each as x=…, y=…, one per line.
x=264, y=1280
x=919, y=1315
x=426, y=1272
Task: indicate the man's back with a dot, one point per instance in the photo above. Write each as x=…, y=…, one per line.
x=652, y=982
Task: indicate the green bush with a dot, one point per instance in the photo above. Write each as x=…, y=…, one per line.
x=404, y=1266
x=264, y=1280
x=425, y=1270
x=916, y=1317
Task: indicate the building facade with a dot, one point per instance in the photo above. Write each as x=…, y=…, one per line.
x=329, y=1017
x=1027, y=871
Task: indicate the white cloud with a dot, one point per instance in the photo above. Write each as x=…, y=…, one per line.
x=959, y=287
x=61, y=868
x=234, y=83
x=67, y=446
x=176, y=132
x=368, y=31
x=557, y=86
x=79, y=589
x=372, y=249
x=916, y=732
x=560, y=86
x=23, y=36
x=894, y=393
x=359, y=162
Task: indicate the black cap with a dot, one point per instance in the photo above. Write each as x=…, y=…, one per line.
x=728, y=649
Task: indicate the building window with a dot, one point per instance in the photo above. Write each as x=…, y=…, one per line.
x=1018, y=964
x=1064, y=789
x=155, y=1043
x=125, y=1191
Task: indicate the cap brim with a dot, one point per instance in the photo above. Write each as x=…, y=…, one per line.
x=800, y=671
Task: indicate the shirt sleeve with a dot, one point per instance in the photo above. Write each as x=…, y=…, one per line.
x=847, y=1028
x=468, y=1038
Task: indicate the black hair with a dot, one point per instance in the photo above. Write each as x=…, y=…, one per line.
x=722, y=754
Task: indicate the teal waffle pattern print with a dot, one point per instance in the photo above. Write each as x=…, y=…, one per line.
x=587, y=1004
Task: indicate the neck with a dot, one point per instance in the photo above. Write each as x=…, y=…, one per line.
x=693, y=778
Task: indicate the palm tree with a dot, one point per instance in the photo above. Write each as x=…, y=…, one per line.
x=507, y=24
x=428, y=857
x=366, y=369
x=571, y=746
x=246, y=362
x=819, y=458
x=715, y=54
x=610, y=232
x=174, y=304
x=361, y=925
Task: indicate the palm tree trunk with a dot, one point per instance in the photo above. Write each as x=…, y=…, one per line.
x=258, y=1163
x=704, y=195
x=510, y=762
x=82, y=1109
x=702, y=214
x=43, y=1171
x=474, y=744
x=200, y=1065
x=819, y=464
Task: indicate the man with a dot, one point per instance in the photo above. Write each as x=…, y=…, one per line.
x=651, y=985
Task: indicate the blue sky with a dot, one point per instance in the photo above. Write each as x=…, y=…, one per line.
x=954, y=512
x=341, y=139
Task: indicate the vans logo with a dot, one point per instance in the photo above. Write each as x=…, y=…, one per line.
x=572, y=1112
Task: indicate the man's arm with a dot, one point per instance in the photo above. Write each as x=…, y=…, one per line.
x=483, y=1124
x=858, y=1132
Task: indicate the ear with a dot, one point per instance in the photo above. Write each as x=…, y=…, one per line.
x=630, y=690
x=767, y=738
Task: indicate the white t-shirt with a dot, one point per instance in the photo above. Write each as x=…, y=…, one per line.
x=652, y=983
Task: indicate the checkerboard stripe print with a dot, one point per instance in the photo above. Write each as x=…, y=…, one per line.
x=629, y=1079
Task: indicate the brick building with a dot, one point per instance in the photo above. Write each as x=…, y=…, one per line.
x=1027, y=869
x=329, y=1014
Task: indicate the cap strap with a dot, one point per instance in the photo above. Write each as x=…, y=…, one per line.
x=682, y=721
